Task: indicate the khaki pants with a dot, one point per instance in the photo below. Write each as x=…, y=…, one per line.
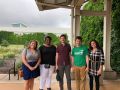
x=80, y=77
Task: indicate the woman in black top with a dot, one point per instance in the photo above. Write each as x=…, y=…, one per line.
x=95, y=64
x=47, y=67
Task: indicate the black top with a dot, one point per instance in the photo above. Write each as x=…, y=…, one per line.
x=48, y=54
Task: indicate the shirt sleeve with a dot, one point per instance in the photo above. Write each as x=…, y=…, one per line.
x=24, y=52
x=39, y=54
x=69, y=48
x=40, y=49
x=57, y=49
x=102, y=60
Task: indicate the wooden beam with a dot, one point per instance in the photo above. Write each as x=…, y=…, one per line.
x=91, y=13
x=82, y=12
x=54, y=5
x=78, y=3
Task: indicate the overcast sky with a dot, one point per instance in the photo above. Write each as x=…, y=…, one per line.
x=26, y=12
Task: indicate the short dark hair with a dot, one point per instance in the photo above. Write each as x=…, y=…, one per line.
x=48, y=38
x=78, y=37
x=63, y=35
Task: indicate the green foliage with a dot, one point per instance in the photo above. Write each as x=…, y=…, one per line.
x=4, y=49
x=4, y=43
x=23, y=39
x=26, y=43
x=11, y=51
x=1, y=63
x=8, y=55
x=97, y=6
x=55, y=39
x=18, y=65
x=91, y=27
x=115, y=44
x=5, y=35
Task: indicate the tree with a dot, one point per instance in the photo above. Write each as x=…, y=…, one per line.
x=91, y=27
x=23, y=39
x=55, y=39
x=115, y=44
x=4, y=35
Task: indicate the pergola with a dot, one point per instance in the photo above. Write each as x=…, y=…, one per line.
x=76, y=12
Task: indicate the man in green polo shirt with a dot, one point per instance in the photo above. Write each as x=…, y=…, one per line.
x=80, y=63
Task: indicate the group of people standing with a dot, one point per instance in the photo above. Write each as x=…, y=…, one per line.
x=46, y=59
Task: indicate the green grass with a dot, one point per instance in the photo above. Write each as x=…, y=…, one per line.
x=16, y=46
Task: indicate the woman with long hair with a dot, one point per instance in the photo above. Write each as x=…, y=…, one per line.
x=96, y=63
x=30, y=64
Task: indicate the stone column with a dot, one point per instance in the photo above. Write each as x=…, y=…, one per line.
x=108, y=74
x=75, y=21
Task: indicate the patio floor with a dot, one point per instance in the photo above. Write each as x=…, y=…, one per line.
x=15, y=84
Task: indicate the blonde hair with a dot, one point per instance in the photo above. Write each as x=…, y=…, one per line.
x=31, y=42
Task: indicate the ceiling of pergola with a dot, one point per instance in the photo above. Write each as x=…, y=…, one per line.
x=52, y=4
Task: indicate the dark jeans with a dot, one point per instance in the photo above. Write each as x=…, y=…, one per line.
x=66, y=70
x=96, y=82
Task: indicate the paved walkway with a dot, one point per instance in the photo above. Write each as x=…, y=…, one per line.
x=15, y=84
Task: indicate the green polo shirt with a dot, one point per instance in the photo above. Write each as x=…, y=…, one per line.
x=79, y=54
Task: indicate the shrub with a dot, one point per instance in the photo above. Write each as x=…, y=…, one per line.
x=1, y=56
x=4, y=43
x=115, y=36
x=8, y=55
x=18, y=65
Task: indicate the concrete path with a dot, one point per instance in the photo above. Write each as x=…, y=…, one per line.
x=15, y=84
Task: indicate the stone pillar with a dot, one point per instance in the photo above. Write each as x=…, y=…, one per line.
x=75, y=21
x=108, y=74
x=72, y=30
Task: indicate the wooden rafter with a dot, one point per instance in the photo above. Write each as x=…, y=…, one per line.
x=78, y=3
x=54, y=5
x=92, y=13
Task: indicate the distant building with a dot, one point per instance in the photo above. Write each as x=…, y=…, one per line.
x=18, y=25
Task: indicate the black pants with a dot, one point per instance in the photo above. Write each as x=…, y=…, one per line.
x=96, y=82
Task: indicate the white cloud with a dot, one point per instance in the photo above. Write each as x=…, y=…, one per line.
x=26, y=11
